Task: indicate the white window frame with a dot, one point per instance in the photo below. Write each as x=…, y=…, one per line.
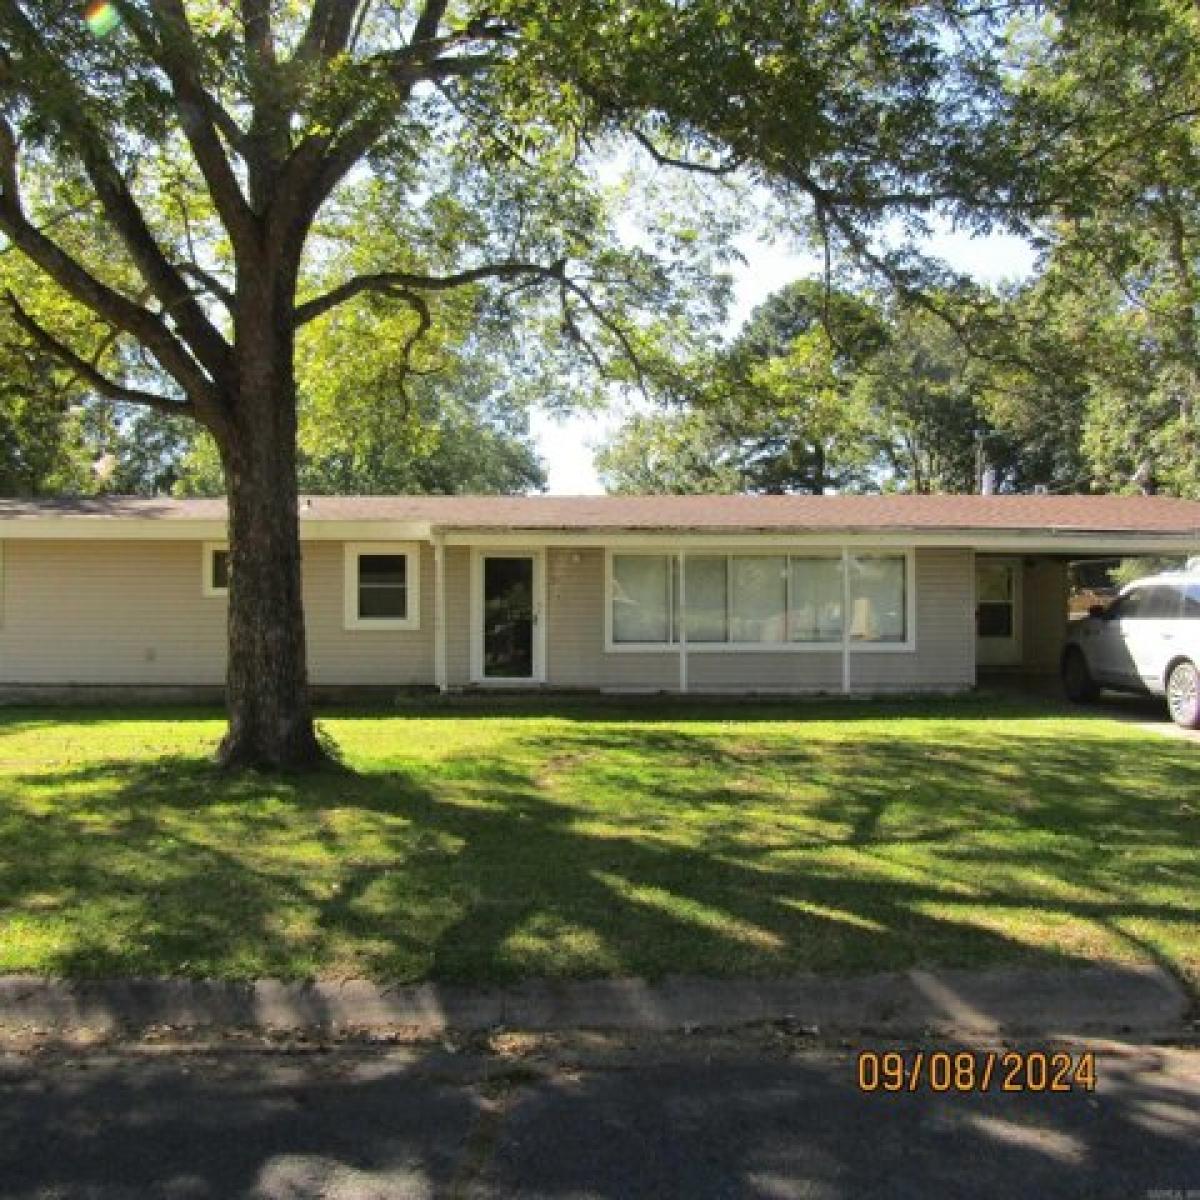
x=353, y=551
x=209, y=551
x=908, y=646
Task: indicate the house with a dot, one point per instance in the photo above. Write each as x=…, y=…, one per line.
x=621, y=593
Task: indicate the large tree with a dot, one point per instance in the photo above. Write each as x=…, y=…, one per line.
x=218, y=146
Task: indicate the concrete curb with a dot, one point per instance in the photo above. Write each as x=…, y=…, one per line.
x=1008, y=1001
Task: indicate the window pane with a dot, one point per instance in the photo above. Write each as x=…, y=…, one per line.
x=1131, y=606
x=641, y=598
x=877, y=606
x=382, y=569
x=816, y=599
x=383, y=602
x=1162, y=604
x=382, y=586
x=1191, y=602
x=995, y=620
x=705, y=598
x=220, y=569
x=758, y=595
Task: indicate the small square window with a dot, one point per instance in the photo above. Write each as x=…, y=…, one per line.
x=381, y=586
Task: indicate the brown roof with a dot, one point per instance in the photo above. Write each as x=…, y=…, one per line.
x=1029, y=513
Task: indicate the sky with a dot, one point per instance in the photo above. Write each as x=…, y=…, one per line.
x=566, y=444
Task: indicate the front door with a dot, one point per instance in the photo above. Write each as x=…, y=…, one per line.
x=508, y=648
x=998, y=612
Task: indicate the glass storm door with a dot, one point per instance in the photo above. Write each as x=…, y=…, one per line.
x=997, y=613
x=509, y=617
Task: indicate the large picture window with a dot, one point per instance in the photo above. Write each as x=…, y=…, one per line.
x=759, y=600
x=382, y=586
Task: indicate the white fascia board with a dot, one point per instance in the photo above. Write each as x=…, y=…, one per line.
x=133, y=529
x=989, y=541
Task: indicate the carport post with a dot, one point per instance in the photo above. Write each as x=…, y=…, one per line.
x=683, y=647
x=846, y=620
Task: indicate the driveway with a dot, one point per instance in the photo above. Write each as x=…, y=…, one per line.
x=763, y=1115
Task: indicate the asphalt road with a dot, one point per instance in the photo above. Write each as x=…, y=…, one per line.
x=764, y=1116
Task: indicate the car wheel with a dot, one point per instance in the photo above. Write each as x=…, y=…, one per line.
x=1077, y=679
x=1183, y=695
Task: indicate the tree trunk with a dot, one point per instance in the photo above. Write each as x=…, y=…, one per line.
x=270, y=722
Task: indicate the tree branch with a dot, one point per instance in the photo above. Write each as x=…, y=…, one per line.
x=174, y=53
x=79, y=283
x=667, y=160
x=392, y=282
x=108, y=388
x=209, y=283
x=118, y=202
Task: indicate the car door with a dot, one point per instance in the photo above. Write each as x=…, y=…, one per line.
x=1106, y=640
x=1151, y=639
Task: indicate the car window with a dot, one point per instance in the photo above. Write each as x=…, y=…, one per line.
x=1191, y=602
x=1160, y=603
x=1127, y=606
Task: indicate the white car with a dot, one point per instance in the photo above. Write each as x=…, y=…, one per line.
x=1147, y=640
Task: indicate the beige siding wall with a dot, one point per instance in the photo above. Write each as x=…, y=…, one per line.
x=337, y=655
x=944, y=658
x=109, y=612
x=1044, y=614
x=134, y=613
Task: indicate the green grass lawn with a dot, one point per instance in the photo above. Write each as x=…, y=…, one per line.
x=576, y=839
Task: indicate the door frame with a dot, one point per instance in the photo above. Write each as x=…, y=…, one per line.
x=1017, y=641
x=537, y=555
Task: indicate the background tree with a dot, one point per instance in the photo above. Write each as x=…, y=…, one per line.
x=774, y=411
x=1107, y=111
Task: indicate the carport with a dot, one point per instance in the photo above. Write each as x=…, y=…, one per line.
x=1024, y=602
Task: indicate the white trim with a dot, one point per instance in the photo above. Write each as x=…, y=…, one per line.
x=683, y=640
x=180, y=529
x=412, y=586
x=1049, y=541
x=441, y=675
x=846, y=599
x=996, y=541
x=538, y=557
x=208, y=550
x=908, y=646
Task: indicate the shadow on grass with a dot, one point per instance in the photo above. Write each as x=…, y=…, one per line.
x=610, y=849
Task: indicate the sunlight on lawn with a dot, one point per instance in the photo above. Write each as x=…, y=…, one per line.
x=578, y=839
